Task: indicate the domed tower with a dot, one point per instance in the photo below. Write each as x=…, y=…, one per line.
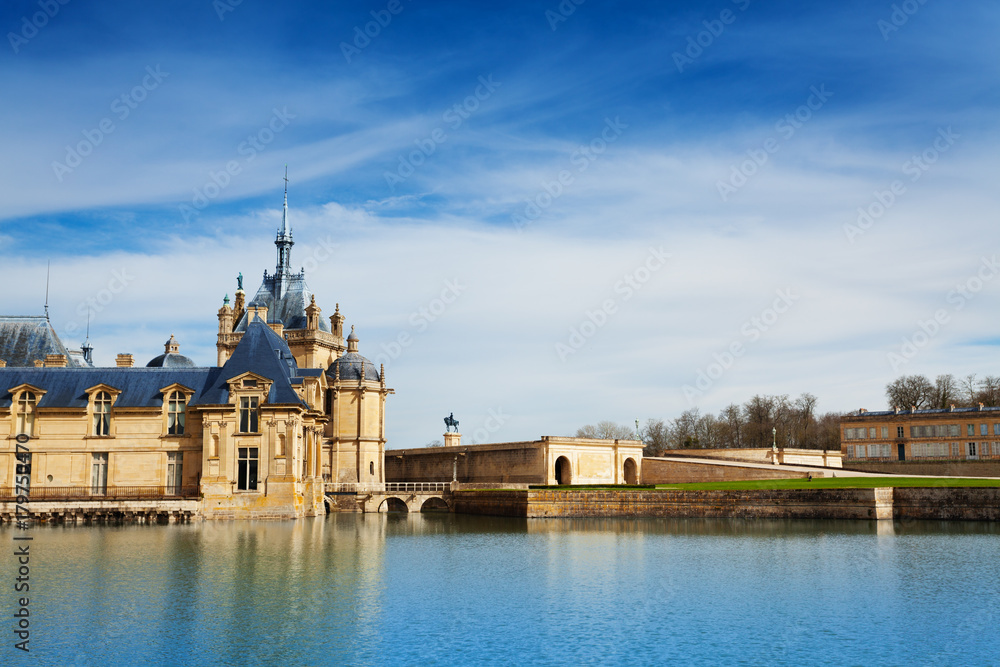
x=355, y=437
x=171, y=357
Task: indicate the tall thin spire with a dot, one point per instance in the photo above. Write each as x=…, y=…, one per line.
x=285, y=231
x=284, y=239
x=48, y=273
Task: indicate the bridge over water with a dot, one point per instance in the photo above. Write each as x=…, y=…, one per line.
x=392, y=496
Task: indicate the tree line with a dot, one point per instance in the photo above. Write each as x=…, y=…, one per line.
x=780, y=420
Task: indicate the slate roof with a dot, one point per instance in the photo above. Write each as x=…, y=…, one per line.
x=263, y=352
x=350, y=367
x=286, y=297
x=66, y=387
x=171, y=360
x=23, y=339
x=934, y=411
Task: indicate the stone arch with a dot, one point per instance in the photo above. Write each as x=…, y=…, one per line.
x=393, y=504
x=564, y=472
x=630, y=471
x=435, y=505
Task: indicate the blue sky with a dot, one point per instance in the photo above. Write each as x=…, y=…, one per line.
x=542, y=160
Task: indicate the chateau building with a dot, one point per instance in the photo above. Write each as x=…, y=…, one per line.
x=289, y=405
x=953, y=434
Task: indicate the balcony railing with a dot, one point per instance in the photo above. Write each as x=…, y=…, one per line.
x=37, y=493
x=387, y=487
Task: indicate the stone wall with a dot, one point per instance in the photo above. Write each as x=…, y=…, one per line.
x=662, y=471
x=508, y=462
x=981, y=504
x=787, y=455
x=948, y=468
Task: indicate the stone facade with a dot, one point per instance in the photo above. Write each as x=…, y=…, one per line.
x=290, y=406
x=549, y=460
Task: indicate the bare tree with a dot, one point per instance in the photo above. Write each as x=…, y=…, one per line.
x=970, y=388
x=733, y=432
x=606, y=430
x=910, y=391
x=655, y=437
x=989, y=391
x=684, y=429
x=945, y=392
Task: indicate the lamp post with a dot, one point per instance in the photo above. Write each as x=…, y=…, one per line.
x=774, y=445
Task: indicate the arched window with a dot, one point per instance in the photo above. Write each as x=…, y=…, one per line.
x=26, y=413
x=176, y=408
x=102, y=413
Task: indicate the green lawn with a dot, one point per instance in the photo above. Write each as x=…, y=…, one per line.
x=831, y=483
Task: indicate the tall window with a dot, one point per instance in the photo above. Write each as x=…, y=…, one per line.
x=99, y=474
x=970, y=429
x=102, y=413
x=984, y=429
x=246, y=469
x=176, y=408
x=899, y=431
x=885, y=432
x=248, y=414
x=175, y=472
x=26, y=413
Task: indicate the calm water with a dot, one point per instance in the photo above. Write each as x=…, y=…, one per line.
x=443, y=589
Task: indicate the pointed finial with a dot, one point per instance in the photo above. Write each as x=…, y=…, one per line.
x=225, y=300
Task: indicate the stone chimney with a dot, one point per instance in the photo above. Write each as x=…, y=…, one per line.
x=39, y=363
x=55, y=361
x=3, y=363
x=125, y=361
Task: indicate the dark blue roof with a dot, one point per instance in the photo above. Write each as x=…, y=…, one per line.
x=66, y=387
x=171, y=360
x=262, y=352
x=934, y=411
x=350, y=366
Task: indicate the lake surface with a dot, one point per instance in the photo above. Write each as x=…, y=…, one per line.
x=354, y=589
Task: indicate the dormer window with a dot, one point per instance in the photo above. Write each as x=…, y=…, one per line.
x=249, y=414
x=102, y=413
x=176, y=412
x=249, y=384
x=26, y=405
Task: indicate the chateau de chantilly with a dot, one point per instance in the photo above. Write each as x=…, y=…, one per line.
x=289, y=423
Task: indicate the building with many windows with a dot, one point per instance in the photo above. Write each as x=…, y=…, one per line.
x=953, y=434
x=289, y=405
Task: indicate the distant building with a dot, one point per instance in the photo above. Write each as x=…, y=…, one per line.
x=954, y=434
